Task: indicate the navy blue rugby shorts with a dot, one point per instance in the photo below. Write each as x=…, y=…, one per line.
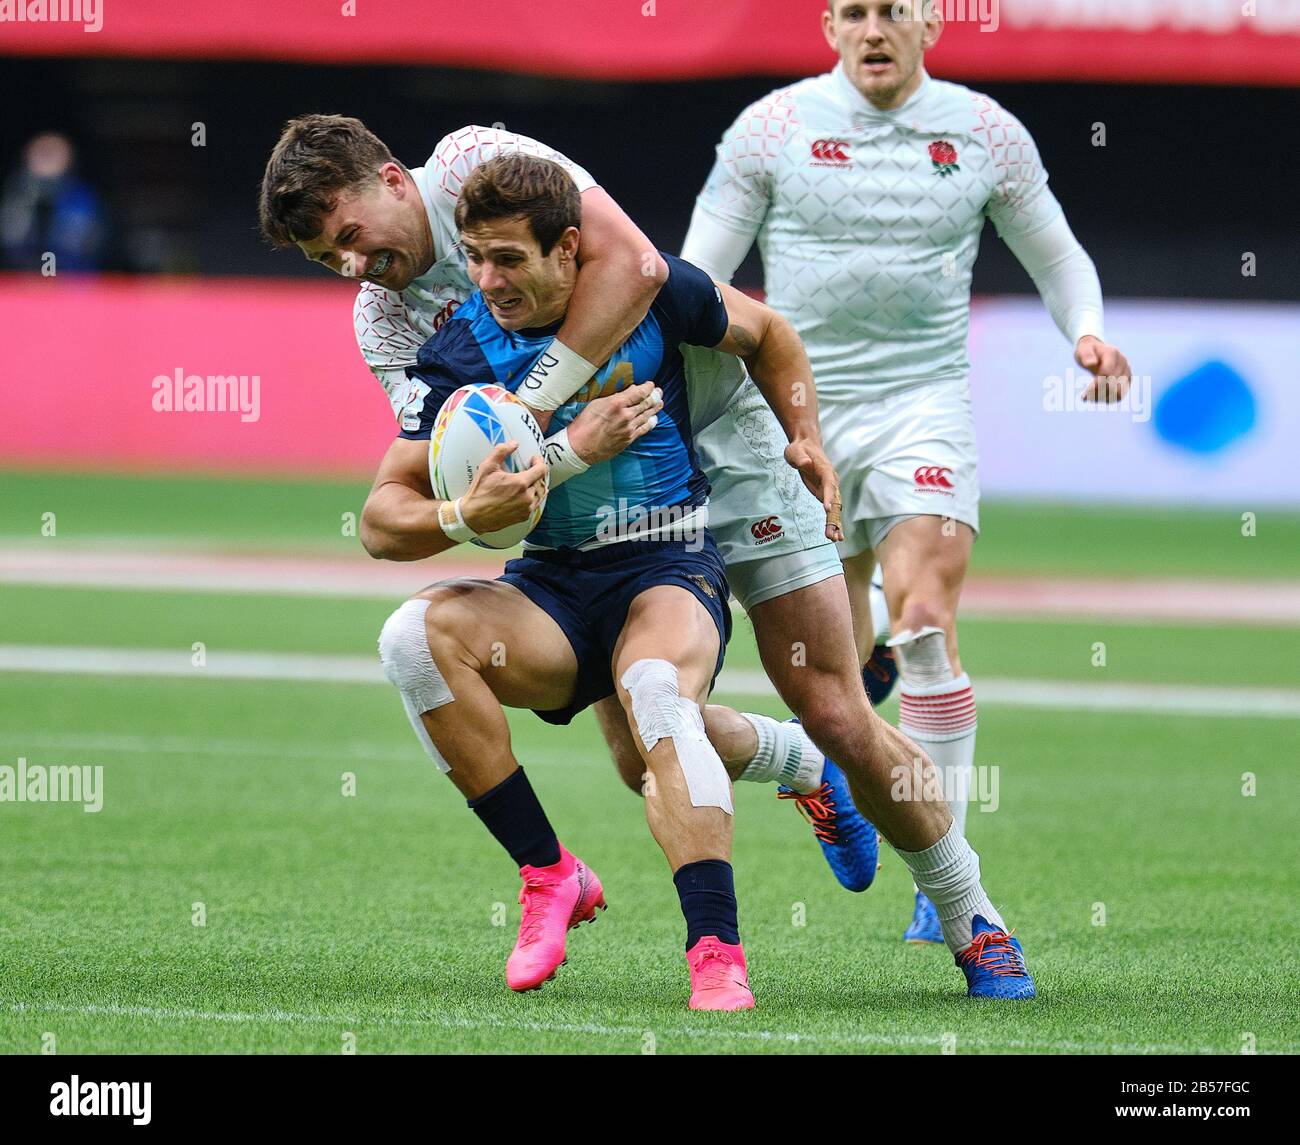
x=588, y=595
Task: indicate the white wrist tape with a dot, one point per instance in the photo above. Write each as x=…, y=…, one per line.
x=558, y=375
x=562, y=458
x=453, y=522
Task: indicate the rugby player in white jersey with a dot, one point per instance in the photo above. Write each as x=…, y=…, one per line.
x=867, y=188
x=335, y=191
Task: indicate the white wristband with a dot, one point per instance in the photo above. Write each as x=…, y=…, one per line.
x=557, y=376
x=453, y=522
x=563, y=459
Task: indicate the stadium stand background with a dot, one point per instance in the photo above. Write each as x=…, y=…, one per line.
x=1166, y=208
x=1187, y=211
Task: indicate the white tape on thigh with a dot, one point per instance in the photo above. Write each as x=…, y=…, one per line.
x=408, y=664
x=660, y=712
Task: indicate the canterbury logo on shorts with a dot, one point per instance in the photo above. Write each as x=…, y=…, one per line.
x=768, y=529
x=933, y=478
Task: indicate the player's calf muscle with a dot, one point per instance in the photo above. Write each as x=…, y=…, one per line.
x=612, y=718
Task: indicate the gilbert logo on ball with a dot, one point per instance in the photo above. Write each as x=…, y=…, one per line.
x=470, y=424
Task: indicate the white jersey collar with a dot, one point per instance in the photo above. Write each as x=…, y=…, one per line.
x=447, y=262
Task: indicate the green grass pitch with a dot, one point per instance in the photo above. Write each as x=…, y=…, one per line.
x=385, y=916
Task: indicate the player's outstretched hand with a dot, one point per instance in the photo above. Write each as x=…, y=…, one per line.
x=609, y=425
x=819, y=475
x=497, y=497
x=1109, y=368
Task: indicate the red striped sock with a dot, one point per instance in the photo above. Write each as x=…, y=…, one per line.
x=942, y=719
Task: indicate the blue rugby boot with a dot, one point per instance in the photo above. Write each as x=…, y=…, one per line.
x=881, y=671
x=925, y=922
x=848, y=840
x=994, y=964
x=880, y=674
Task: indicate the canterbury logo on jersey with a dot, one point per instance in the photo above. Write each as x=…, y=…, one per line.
x=830, y=153
x=768, y=529
x=933, y=477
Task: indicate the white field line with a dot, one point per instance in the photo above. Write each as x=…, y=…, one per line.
x=1169, y=601
x=220, y=748
x=1140, y=698
x=32, y=740
x=452, y=1022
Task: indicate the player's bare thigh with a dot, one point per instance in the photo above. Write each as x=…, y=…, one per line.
x=668, y=623
x=804, y=641
x=495, y=631
x=925, y=561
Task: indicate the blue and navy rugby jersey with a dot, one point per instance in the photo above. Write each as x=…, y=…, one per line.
x=658, y=475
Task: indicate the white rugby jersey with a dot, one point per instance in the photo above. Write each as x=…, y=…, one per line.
x=391, y=325
x=868, y=222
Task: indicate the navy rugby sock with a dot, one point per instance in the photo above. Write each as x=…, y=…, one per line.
x=514, y=815
x=708, y=893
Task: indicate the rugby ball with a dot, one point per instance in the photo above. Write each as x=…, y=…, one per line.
x=471, y=422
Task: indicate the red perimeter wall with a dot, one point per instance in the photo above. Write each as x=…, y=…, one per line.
x=81, y=354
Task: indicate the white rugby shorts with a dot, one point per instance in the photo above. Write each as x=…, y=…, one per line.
x=907, y=454
x=769, y=528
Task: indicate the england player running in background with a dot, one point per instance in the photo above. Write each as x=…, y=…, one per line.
x=867, y=189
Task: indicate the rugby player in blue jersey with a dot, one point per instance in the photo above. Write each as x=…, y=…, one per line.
x=334, y=190
x=600, y=604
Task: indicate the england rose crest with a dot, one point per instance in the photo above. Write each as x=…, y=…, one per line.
x=944, y=157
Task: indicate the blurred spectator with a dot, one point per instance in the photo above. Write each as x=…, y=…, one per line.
x=45, y=207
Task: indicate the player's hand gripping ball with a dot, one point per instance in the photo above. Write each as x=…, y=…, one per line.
x=471, y=423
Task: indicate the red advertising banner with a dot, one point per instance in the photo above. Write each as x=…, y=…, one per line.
x=187, y=375
x=1131, y=41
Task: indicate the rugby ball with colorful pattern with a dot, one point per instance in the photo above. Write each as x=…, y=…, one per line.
x=470, y=422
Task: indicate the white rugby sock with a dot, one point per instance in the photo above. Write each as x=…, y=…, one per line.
x=879, y=609
x=937, y=710
x=941, y=719
x=949, y=875
x=785, y=755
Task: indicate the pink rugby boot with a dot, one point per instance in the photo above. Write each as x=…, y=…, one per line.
x=555, y=899
x=719, y=977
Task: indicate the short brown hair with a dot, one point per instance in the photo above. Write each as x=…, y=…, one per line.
x=516, y=184
x=317, y=157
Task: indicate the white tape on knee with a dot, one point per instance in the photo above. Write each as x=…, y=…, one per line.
x=660, y=712
x=923, y=656
x=408, y=664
